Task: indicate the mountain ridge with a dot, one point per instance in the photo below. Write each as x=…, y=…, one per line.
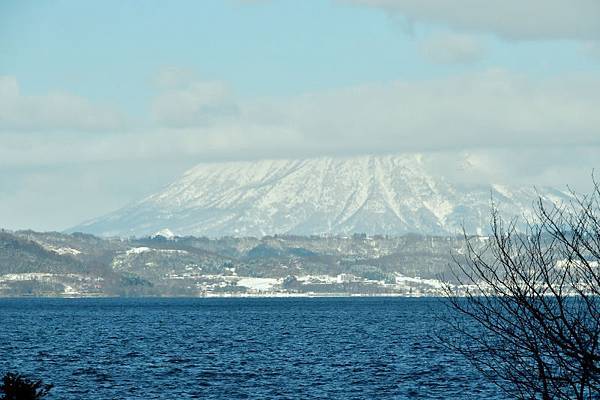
x=389, y=194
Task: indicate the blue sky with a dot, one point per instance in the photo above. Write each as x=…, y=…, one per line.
x=119, y=97
x=110, y=51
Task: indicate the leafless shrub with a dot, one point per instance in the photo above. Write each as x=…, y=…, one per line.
x=527, y=307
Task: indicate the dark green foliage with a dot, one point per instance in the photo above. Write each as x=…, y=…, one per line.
x=33, y=287
x=290, y=282
x=17, y=387
x=263, y=251
x=300, y=252
x=371, y=273
x=128, y=285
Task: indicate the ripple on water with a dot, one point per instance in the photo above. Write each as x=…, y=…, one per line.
x=234, y=349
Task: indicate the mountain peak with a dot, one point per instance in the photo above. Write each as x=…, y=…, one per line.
x=164, y=233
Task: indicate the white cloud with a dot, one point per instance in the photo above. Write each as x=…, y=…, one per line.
x=170, y=78
x=492, y=109
x=592, y=49
x=52, y=111
x=192, y=103
x=452, y=49
x=513, y=19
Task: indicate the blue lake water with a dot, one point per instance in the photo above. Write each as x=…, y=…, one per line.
x=269, y=348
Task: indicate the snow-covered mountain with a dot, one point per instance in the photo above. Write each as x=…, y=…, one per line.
x=392, y=194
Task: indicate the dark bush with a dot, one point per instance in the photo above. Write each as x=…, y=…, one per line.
x=17, y=387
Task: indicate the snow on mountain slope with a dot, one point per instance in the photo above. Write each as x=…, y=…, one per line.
x=391, y=194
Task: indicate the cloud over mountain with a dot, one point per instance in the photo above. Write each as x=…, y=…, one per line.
x=512, y=19
x=452, y=49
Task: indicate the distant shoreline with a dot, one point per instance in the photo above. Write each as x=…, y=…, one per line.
x=228, y=296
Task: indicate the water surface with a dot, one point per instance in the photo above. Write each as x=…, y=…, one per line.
x=290, y=348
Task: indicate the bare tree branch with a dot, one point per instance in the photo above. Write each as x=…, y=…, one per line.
x=526, y=304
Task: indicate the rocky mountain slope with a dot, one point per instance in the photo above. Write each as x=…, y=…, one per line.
x=392, y=194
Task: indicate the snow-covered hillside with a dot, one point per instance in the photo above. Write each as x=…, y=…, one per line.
x=392, y=194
